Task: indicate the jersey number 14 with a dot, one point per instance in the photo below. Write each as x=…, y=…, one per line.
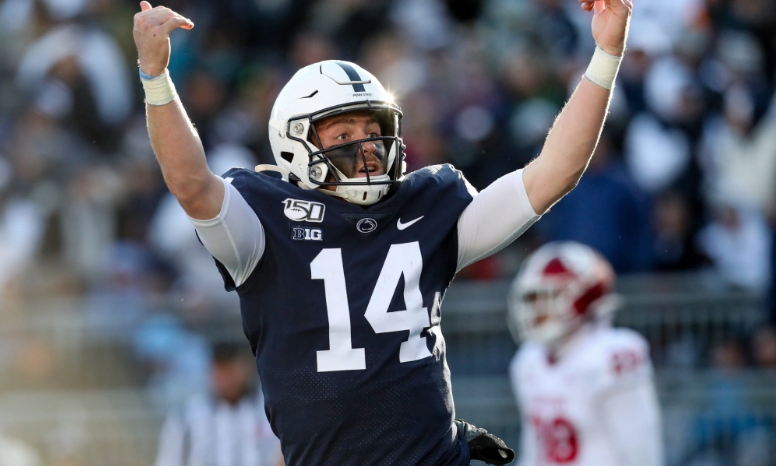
x=403, y=259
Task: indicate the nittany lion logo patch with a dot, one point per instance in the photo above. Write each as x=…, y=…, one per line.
x=304, y=211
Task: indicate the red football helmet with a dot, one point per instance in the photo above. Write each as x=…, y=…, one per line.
x=559, y=287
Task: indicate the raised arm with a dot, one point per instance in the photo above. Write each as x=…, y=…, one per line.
x=174, y=139
x=574, y=136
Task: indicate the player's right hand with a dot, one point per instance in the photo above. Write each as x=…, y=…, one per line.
x=152, y=36
x=611, y=19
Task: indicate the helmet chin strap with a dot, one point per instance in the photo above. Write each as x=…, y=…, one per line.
x=551, y=334
x=361, y=195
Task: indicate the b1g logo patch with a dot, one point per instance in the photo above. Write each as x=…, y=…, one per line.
x=304, y=211
x=307, y=234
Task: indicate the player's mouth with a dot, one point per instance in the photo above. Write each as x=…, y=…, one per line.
x=374, y=169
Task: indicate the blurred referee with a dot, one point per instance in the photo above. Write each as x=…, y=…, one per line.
x=226, y=428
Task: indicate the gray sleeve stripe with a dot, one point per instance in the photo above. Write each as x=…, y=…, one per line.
x=235, y=237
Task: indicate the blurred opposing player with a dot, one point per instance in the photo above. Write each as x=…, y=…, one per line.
x=584, y=389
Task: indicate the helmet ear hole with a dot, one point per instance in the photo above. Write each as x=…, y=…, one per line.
x=287, y=156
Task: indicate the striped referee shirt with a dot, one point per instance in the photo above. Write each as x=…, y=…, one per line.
x=212, y=432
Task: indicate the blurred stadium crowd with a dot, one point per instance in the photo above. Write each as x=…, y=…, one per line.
x=684, y=178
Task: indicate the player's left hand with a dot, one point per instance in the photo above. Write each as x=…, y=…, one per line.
x=483, y=445
x=610, y=23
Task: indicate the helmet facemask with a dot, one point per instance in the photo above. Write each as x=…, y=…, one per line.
x=338, y=166
x=544, y=313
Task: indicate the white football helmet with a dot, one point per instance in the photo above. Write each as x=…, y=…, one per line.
x=326, y=89
x=559, y=287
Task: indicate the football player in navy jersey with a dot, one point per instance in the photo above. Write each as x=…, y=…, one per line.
x=341, y=260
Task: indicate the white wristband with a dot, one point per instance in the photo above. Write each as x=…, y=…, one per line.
x=603, y=68
x=159, y=90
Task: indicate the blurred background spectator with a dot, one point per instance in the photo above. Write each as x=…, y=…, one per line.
x=226, y=426
x=16, y=453
x=691, y=128
x=107, y=302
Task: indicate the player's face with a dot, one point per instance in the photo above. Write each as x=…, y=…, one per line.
x=350, y=160
x=230, y=379
x=542, y=303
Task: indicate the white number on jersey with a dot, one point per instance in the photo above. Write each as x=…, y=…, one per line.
x=403, y=259
x=341, y=356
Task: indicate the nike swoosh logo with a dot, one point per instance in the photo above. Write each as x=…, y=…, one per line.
x=402, y=226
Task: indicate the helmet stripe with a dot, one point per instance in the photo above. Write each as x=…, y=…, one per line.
x=353, y=76
x=592, y=294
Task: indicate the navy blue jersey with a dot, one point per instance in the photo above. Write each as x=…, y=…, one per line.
x=343, y=315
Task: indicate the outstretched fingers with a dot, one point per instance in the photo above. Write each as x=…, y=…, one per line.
x=598, y=6
x=162, y=17
x=177, y=21
x=619, y=7
x=151, y=32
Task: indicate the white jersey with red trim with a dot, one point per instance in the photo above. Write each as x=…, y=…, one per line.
x=595, y=405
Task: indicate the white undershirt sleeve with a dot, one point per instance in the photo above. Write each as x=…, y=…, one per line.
x=235, y=237
x=496, y=217
x=171, y=443
x=632, y=415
